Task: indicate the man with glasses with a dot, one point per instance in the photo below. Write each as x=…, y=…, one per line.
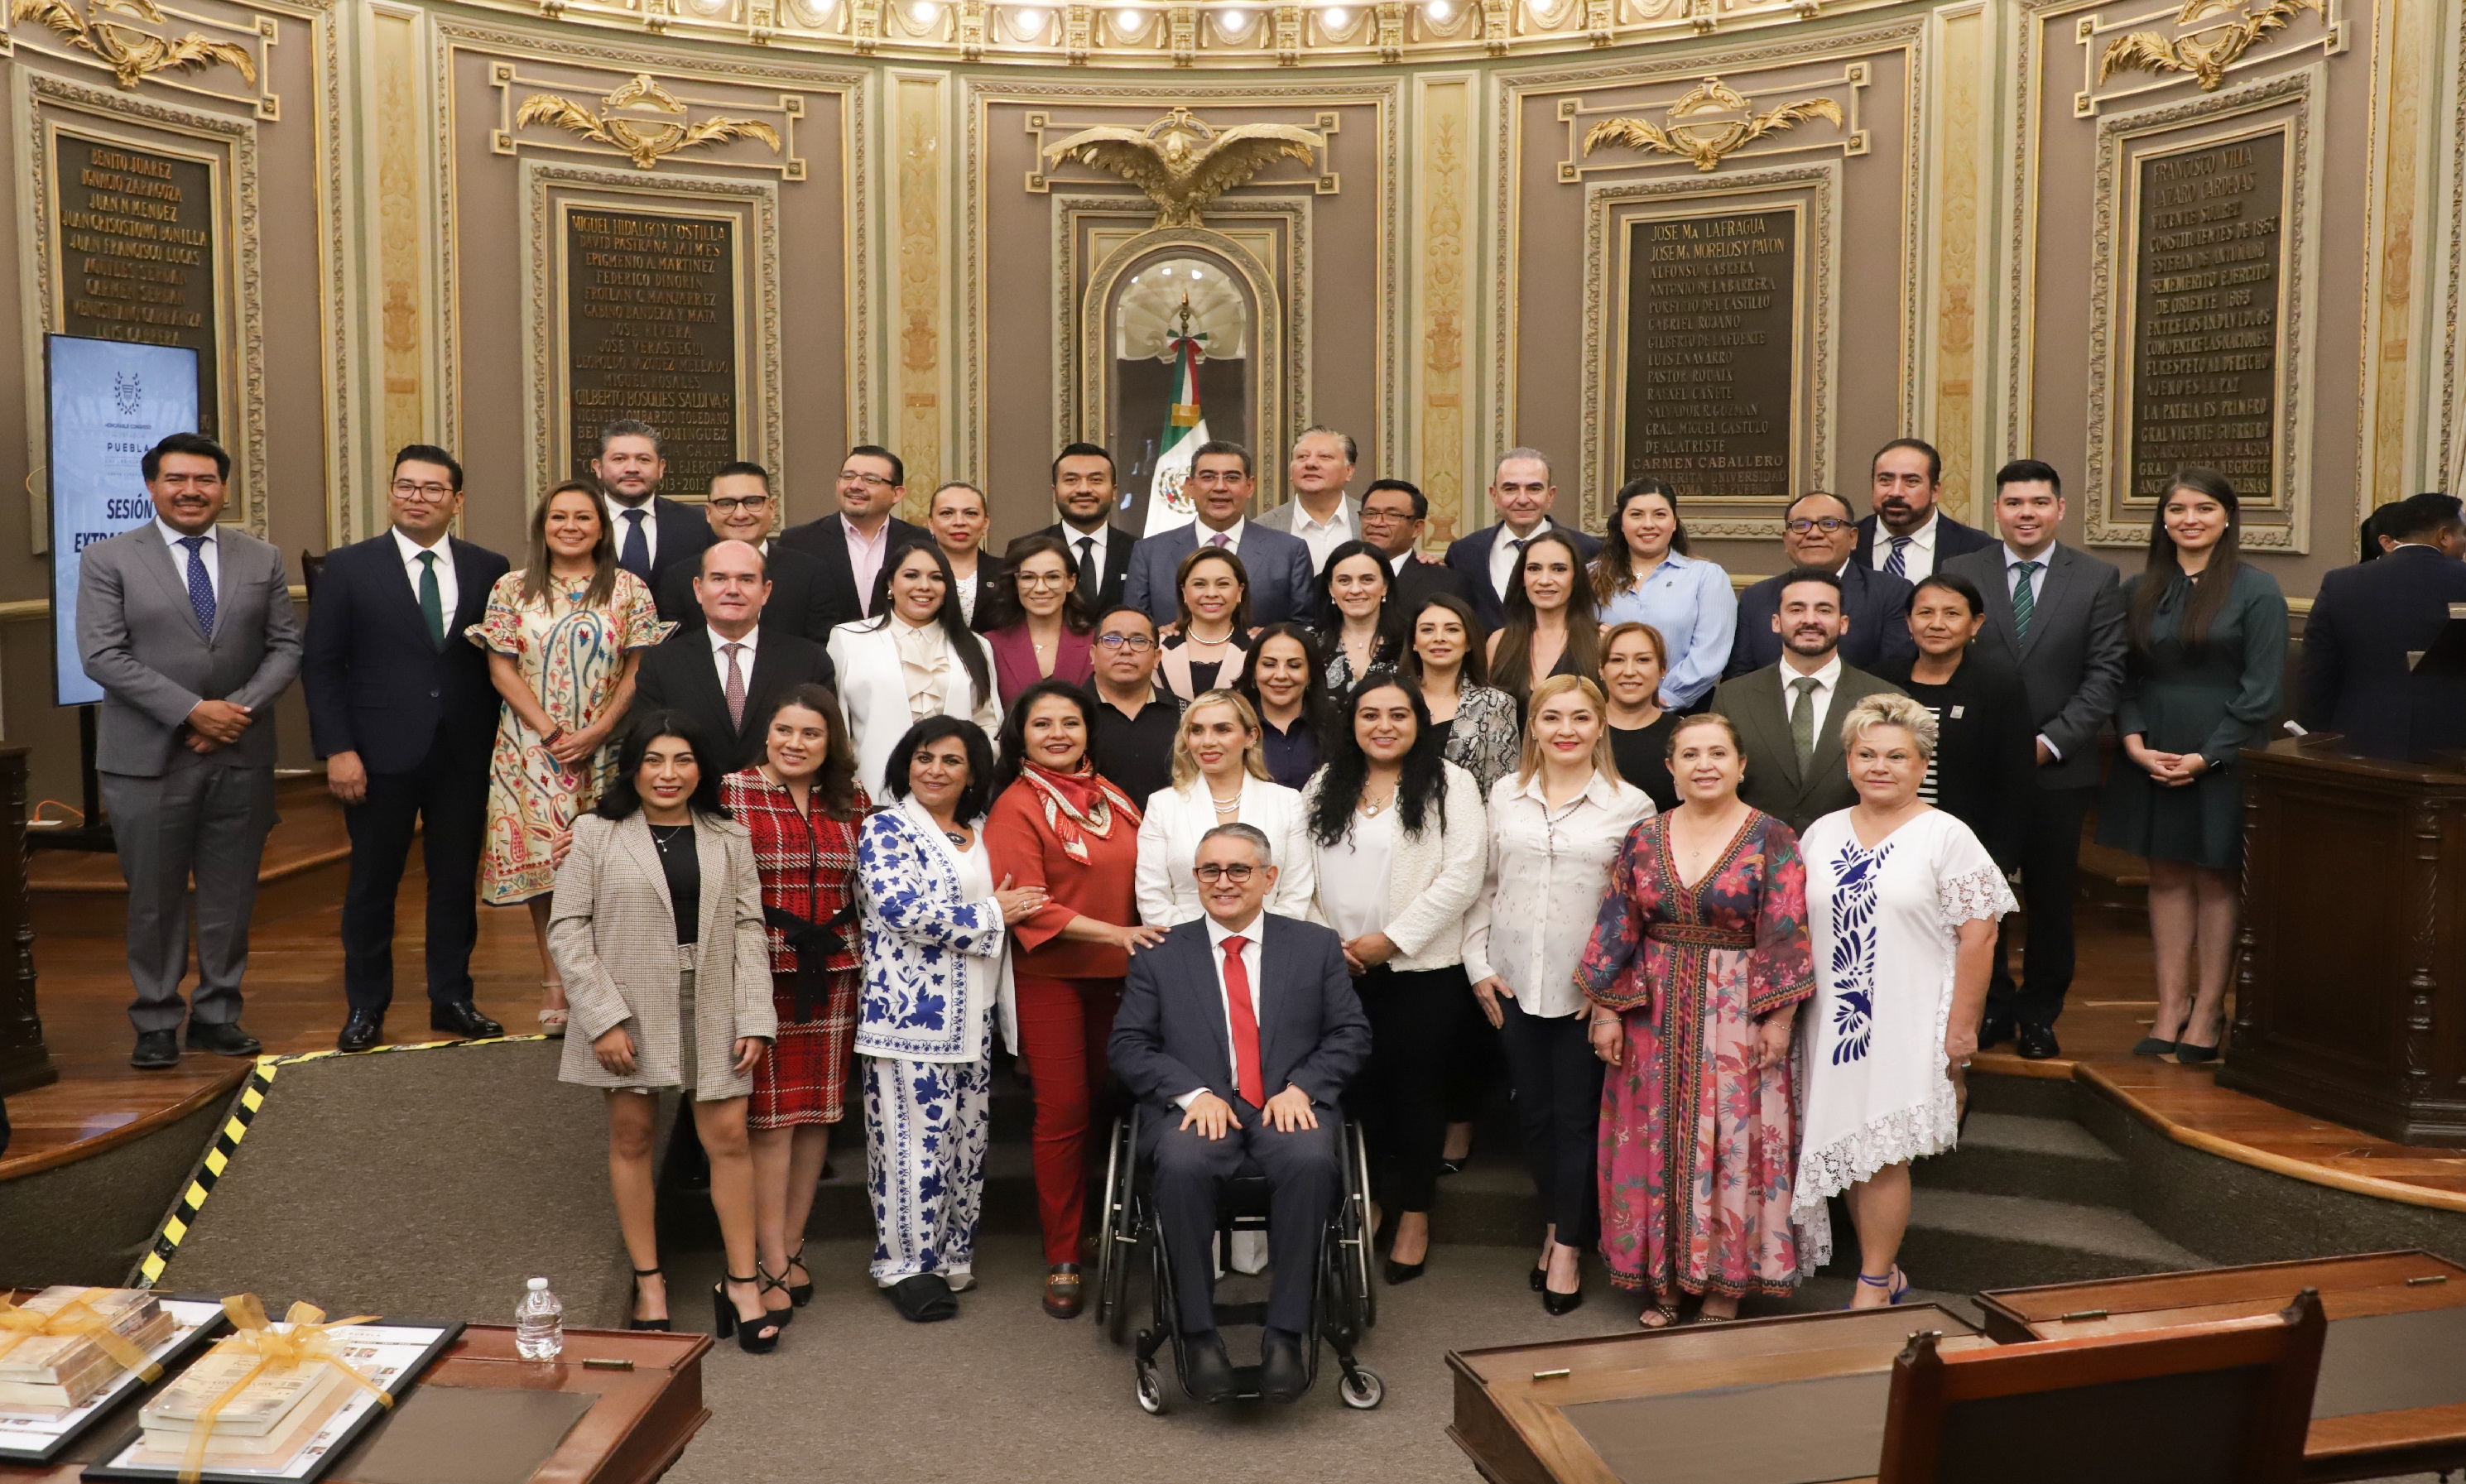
x=1524, y=492
x=401, y=708
x=853, y=543
x=1819, y=532
x=652, y=532
x=1393, y=516
x=741, y=508
x=1320, y=512
x=1085, y=495
x=1278, y=566
x=1136, y=719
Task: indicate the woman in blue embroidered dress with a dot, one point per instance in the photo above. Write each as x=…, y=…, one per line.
x=1905, y=903
x=936, y=973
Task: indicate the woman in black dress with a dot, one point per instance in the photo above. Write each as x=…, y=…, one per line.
x=1634, y=662
x=1986, y=756
x=1551, y=628
x=1356, y=592
x=1287, y=686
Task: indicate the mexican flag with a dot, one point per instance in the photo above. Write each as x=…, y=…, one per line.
x=1185, y=429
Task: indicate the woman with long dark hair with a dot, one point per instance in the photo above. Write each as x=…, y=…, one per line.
x=1211, y=638
x=1401, y=837
x=658, y=929
x=1444, y=658
x=1287, y=687
x=1355, y=589
x=915, y=658
x=1039, y=627
x=1551, y=628
x=1634, y=659
x=1644, y=575
x=2208, y=651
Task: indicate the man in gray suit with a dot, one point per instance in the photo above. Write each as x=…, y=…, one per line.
x=1789, y=713
x=2055, y=617
x=1320, y=512
x=189, y=630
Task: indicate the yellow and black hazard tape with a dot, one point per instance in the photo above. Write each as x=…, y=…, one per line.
x=182, y=1218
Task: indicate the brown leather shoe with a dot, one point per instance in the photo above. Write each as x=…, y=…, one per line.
x=1061, y=1296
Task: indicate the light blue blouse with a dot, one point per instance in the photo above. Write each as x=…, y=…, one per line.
x=1690, y=602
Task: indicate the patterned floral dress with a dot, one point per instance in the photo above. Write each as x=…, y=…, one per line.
x=1697, y=1151
x=808, y=866
x=571, y=656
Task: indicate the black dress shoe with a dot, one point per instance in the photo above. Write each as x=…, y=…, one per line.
x=225, y=1039
x=360, y=1032
x=1994, y=1031
x=1557, y=1304
x=2187, y=1054
x=461, y=1019
x=2038, y=1043
x=1282, y=1375
x=1404, y=1272
x=2151, y=1045
x=923, y=1298
x=1541, y=1278
x=156, y=1049
x=1208, y=1370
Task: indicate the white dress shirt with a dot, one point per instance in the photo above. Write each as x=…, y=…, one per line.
x=448, y=590
x=1322, y=538
x=1548, y=869
x=1918, y=559
x=618, y=526
x=2037, y=581
x=209, y=553
x=1353, y=875
x=719, y=643
x=1828, y=683
x=1504, y=553
x=1216, y=934
x=1232, y=535
x=1097, y=540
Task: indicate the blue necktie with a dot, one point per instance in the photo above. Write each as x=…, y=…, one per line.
x=1898, y=563
x=201, y=587
x=635, y=556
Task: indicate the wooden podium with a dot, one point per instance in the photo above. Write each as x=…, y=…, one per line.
x=2351, y=1000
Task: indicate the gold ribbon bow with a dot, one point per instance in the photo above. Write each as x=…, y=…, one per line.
x=74, y=1317
x=304, y=1343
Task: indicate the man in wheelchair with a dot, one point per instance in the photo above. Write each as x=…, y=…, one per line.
x=1223, y=1009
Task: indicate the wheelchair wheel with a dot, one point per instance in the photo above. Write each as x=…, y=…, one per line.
x=1150, y=1392
x=1118, y=1233
x=1361, y=1389
x=1360, y=1238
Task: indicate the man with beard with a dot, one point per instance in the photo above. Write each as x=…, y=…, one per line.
x=1818, y=531
x=650, y=531
x=1908, y=536
x=1084, y=491
x=1785, y=713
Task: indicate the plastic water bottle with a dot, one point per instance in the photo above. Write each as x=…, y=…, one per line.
x=539, y=1325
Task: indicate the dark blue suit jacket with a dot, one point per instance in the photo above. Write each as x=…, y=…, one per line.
x=1951, y=539
x=2355, y=678
x=1277, y=565
x=1169, y=1037
x=1471, y=555
x=1879, y=622
x=826, y=538
x=376, y=685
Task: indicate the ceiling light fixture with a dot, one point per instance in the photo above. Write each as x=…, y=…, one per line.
x=1028, y=21
x=1440, y=11
x=1339, y=17
x=924, y=13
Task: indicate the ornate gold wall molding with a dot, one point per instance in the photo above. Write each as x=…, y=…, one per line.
x=1956, y=373
x=1180, y=162
x=2449, y=455
x=641, y=119
x=2400, y=167
x=921, y=196
x=2197, y=43
x=223, y=54
x=1445, y=181
x=1712, y=122
x=402, y=271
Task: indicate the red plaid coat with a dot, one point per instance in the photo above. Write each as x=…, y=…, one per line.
x=808, y=865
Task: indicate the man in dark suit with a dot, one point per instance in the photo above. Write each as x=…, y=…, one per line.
x=402, y=710
x=653, y=532
x=1817, y=532
x=854, y=543
x=1393, y=514
x=1222, y=480
x=1916, y=537
x=1789, y=713
x=1223, y=1010
x=2055, y=617
x=1086, y=494
x=2367, y=619
x=1523, y=491
x=728, y=672
x=740, y=510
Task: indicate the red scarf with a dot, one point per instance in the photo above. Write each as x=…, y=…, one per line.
x=1078, y=804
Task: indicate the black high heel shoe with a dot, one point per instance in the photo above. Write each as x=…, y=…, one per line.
x=632, y=1323
x=1557, y=1304
x=763, y=1277
x=800, y=1293
x=753, y=1336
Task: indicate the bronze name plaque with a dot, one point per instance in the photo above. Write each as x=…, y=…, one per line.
x=651, y=333
x=2207, y=299
x=1712, y=313
x=137, y=253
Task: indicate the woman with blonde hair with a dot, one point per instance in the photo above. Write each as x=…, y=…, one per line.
x=1905, y=903
x=1220, y=777
x=1556, y=826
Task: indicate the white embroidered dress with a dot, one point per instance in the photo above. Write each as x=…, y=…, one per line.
x=1885, y=927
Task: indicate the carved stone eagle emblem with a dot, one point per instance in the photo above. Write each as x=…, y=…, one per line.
x=1181, y=163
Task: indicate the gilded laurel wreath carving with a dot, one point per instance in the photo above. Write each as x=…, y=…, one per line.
x=132, y=54
x=648, y=140
x=1685, y=131
x=2205, y=54
x=1182, y=163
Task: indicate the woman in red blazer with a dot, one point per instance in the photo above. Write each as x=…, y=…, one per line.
x=1044, y=625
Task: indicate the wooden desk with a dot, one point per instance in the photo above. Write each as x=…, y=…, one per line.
x=2349, y=1439
x=1522, y=1422
x=635, y=1430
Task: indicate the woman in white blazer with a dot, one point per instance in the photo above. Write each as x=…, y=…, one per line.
x=916, y=658
x=1401, y=838
x=1220, y=777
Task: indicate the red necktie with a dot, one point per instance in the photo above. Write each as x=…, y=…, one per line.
x=1245, y=1026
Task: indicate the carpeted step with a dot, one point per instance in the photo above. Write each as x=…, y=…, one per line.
x=1965, y=1241
x=2047, y=1159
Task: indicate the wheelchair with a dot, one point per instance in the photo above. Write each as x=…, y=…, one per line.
x=1344, y=1305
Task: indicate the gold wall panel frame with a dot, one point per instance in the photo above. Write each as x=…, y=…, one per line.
x=551, y=190
x=2449, y=453
x=2325, y=29
x=255, y=36
x=1850, y=138
x=1809, y=193
x=2287, y=103
x=510, y=137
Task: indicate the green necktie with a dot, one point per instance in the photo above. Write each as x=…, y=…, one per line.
x=2024, y=601
x=431, y=599
x=1802, y=722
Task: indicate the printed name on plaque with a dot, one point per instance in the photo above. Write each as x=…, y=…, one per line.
x=2208, y=303
x=1711, y=353
x=137, y=253
x=651, y=333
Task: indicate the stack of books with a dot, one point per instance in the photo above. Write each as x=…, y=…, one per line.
x=52, y=1375
x=270, y=1419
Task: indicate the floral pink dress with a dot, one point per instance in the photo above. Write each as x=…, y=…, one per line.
x=1698, y=1152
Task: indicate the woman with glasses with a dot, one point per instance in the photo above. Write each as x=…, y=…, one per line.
x=1550, y=625
x=1288, y=687
x=916, y=658
x=959, y=521
x=1211, y=638
x=1353, y=589
x=1644, y=575
x=564, y=634
x=1220, y=777
x=1043, y=631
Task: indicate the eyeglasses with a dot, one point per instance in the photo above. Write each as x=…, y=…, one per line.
x=730, y=505
x=1221, y=479
x=1055, y=580
x=1135, y=644
x=872, y=481
x=405, y=489
x=1213, y=873
x=1827, y=524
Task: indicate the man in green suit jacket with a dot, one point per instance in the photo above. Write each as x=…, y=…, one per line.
x=1788, y=714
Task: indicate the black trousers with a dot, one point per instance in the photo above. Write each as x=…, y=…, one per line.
x=1558, y=1114
x=1399, y=1096
x=2050, y=883
x=1476, y=1062
x=1302, y=1169
x=448, y=800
